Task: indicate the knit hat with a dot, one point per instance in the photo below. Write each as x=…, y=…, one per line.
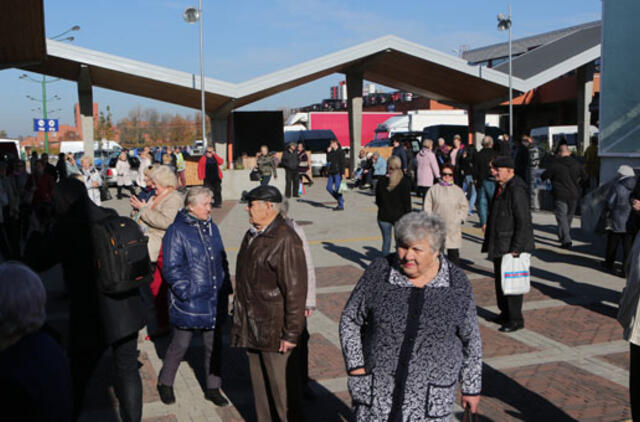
x=625, y=171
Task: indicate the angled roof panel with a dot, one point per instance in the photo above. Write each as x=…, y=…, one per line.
x=522, y=45
x=556, y=58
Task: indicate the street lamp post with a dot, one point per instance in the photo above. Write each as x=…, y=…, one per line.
x=191, y=15
x=45, y=81
x=504, y=24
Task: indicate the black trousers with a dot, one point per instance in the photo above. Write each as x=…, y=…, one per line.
x=613, y=240
x=292, y=183
x=634, y=382
x=216, y=187
x=128, y=385
x=510, y=306
x=302, y=352
x=454, y=256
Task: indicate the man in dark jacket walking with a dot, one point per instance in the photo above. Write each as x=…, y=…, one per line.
x=567, y=177
x=400, y=152
x=503, y=146
x=335, y=168
x=291, y=162
x=509, y=231
x=482, y=174
x=269, y=307
x=96, y=320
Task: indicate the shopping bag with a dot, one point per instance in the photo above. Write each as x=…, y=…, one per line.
x=343, y=187
x=467, y=416
x=301, y=190
x=516, y=276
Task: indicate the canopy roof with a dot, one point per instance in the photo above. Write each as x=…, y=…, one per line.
x=389, y=60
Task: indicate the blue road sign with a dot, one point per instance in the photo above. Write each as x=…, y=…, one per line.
x=45, y=125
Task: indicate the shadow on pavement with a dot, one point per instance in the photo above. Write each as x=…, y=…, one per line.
x=525, y=404
x=316, y=204
x=352, y=255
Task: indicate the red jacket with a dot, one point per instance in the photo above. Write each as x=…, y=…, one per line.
x=202, y=164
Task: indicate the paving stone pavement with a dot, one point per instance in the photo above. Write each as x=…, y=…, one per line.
x=569, y=363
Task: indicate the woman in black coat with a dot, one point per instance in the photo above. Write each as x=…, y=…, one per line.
x=96, y=320
x=393, y=198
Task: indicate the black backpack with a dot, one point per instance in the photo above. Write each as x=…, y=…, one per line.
x=122, y=257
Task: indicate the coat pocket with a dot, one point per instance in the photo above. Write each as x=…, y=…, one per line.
x=361, y=389
x=440, y=399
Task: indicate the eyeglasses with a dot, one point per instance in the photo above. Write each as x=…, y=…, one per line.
x=447, y=174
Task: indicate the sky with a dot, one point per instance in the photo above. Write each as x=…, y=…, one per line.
x=248, y=38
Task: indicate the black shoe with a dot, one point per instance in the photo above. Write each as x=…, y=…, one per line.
x=338, y=209
x=510, y=327
x=310, y=183
x=214, y=395
x=566, y=245
x=217, y=206
x=166, y=394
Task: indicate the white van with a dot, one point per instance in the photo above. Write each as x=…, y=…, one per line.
x=549, y=136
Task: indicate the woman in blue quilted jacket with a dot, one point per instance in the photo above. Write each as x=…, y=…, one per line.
x=196, y=270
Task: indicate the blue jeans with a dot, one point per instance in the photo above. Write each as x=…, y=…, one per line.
x=467, y=185
x=386, y=228
x=265, y=180
x=487, y=189
x=333, y=184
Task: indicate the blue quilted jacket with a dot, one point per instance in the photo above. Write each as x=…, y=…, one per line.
x=195, y=267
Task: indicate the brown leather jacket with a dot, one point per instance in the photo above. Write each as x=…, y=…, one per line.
x=271, y=289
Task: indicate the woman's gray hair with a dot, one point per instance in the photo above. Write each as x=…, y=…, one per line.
x=164, y=176
x=417, y=226
x=194, y=193
x=22, y=302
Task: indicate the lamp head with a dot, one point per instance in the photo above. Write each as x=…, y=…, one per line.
x=191, y=15
x=75, y=28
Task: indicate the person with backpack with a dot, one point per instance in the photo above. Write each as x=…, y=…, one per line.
x=195, y=268
x=97, y=320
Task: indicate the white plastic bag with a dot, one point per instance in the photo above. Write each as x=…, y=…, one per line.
x=516, y=277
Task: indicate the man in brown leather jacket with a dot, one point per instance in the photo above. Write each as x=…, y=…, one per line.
x=268, y=317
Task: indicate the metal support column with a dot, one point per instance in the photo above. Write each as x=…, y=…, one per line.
x=584, y=95
x=85, y=100
x=354, y=107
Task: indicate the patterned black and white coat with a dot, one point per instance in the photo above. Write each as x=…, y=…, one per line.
x=415, y=344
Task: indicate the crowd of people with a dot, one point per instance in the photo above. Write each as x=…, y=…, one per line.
x=409, y=331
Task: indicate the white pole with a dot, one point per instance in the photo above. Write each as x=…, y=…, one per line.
x=204, y=138
x=510, y=88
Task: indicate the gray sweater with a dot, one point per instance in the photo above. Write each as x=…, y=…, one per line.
x=415, y=344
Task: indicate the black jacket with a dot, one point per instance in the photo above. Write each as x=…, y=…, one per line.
x=509, y=227
x=567, y=176
x=290, y=160
x=336, y=161
x=503, y=148
x=95, y=319
x=395, y=203
x=401, y=153
x=522, y=162
x=482, y=164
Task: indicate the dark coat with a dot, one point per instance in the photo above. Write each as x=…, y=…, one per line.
x=395, y=203
x=482, y=164
x=290, y=160
x=95, y=318
x=509, y=227
x=522, y=162
x=271, y=288
x=619, y=203
x=196, y=270
x=567, y=176
x=35, y=381
x=503, y=148
x=336, y=161
x=401, y=153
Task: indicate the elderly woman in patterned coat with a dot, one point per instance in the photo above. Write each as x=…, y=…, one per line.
x=409, y=331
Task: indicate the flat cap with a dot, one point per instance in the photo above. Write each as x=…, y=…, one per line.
x=265, y=193
x=502, y=161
